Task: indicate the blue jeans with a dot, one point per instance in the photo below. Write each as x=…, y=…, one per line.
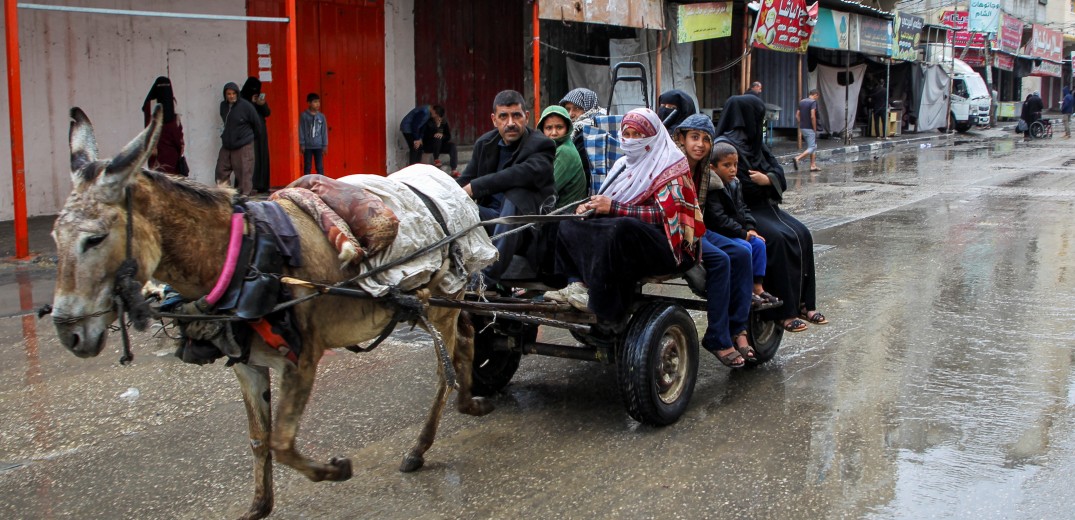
x=309, y=157
x=757, y=255
x=729, y=286
x=506, y=246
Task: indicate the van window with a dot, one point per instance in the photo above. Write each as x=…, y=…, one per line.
x=959, y=88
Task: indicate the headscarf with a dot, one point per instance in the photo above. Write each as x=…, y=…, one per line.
x=585, y=99
x=251, y=88
x=684, y=107
x=557, y=110
x=701, y=177
x=161, y=92
x=653, y=166
x=741, y=125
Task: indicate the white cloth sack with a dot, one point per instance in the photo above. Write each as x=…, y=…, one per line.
x=418, y=228
x=833, y=104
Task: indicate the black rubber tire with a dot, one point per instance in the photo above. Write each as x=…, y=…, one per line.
x=963, y=127
x=658, y=363
x=494, y=367
x=765, y=335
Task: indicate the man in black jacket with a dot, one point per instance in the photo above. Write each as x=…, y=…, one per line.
x=510, y=173
x=241, y=127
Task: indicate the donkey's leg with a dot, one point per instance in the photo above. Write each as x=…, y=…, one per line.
x=416, y=457
x=295, y=386
x=254, y=383
x=444, y=320
x=463, y=360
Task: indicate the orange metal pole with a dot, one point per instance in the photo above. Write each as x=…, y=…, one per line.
x=537, y=63
x=292, y=104
x=14, y=102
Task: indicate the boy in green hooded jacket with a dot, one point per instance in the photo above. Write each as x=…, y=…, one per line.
x=567, y=169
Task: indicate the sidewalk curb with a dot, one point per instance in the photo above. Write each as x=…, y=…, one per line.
x=892, y=143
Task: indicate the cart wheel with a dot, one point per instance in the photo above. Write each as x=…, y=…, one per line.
x=497, y=354
x=765, y=335
x=659, y=363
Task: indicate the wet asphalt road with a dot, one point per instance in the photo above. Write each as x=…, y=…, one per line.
x=943, y=388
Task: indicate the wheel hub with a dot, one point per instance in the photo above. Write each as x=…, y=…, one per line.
x=671, y=371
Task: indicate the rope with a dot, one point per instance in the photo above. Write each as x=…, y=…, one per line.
x=560, y=211
x=728, y=65
x=610, y=58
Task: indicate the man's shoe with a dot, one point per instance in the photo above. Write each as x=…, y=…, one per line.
x=437, y=163
x=562, y=295
x=455, y=173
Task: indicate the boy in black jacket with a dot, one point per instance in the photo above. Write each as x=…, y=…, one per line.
x=727, y=214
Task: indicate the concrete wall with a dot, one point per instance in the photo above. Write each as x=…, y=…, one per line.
x=398, y=76
x=106, y=64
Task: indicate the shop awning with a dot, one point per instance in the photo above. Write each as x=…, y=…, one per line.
x=642, y=14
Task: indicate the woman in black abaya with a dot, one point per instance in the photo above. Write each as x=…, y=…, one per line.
x=251, y=92
x=790, y=247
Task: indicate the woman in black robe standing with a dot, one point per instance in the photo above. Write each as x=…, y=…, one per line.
x=251, y=92
x=790, y=247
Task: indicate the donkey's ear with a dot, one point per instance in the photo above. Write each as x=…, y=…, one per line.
x=135, y=154
x=124, y=168
x=83, y=143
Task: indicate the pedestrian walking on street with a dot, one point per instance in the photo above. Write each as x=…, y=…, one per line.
x=252, y=92
x=241, y=127
x=1067, y=107
x=806, y=117
x=313, y=135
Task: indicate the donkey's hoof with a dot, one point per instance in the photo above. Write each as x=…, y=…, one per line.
x=477, y=406
x=343, y=468
x=412, y=463
x=260, y=509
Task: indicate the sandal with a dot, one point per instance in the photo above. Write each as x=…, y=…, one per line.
x=746, y=351
x=817, y=318
x=769, y=298
x=730, y=359
x=815, y=169
x=795, y=325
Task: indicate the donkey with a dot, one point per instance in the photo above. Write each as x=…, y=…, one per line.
x=178, y=234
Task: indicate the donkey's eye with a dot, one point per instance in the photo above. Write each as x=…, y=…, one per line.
x=94, y=241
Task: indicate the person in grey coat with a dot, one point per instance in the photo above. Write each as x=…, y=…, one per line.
x=241, y=127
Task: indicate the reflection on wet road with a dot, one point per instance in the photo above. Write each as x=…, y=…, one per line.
x=943, y=388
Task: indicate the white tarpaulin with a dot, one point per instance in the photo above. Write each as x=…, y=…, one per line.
x=833, y=95
x=418, y=228
x=933, y=99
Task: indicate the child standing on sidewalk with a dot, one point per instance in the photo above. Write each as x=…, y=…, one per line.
x=313, y=135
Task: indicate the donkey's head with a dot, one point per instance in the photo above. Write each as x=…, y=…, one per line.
x=91, y=235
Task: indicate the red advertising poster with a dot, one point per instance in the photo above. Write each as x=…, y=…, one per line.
x=1010, y=36
x=960, y=37
x=781, y=26
x=1045, y=43
x=1004, y=61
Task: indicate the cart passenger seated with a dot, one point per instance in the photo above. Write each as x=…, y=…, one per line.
x=510, y=173
x=647, y=222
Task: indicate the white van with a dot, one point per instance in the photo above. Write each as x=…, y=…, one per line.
x=970, y=96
